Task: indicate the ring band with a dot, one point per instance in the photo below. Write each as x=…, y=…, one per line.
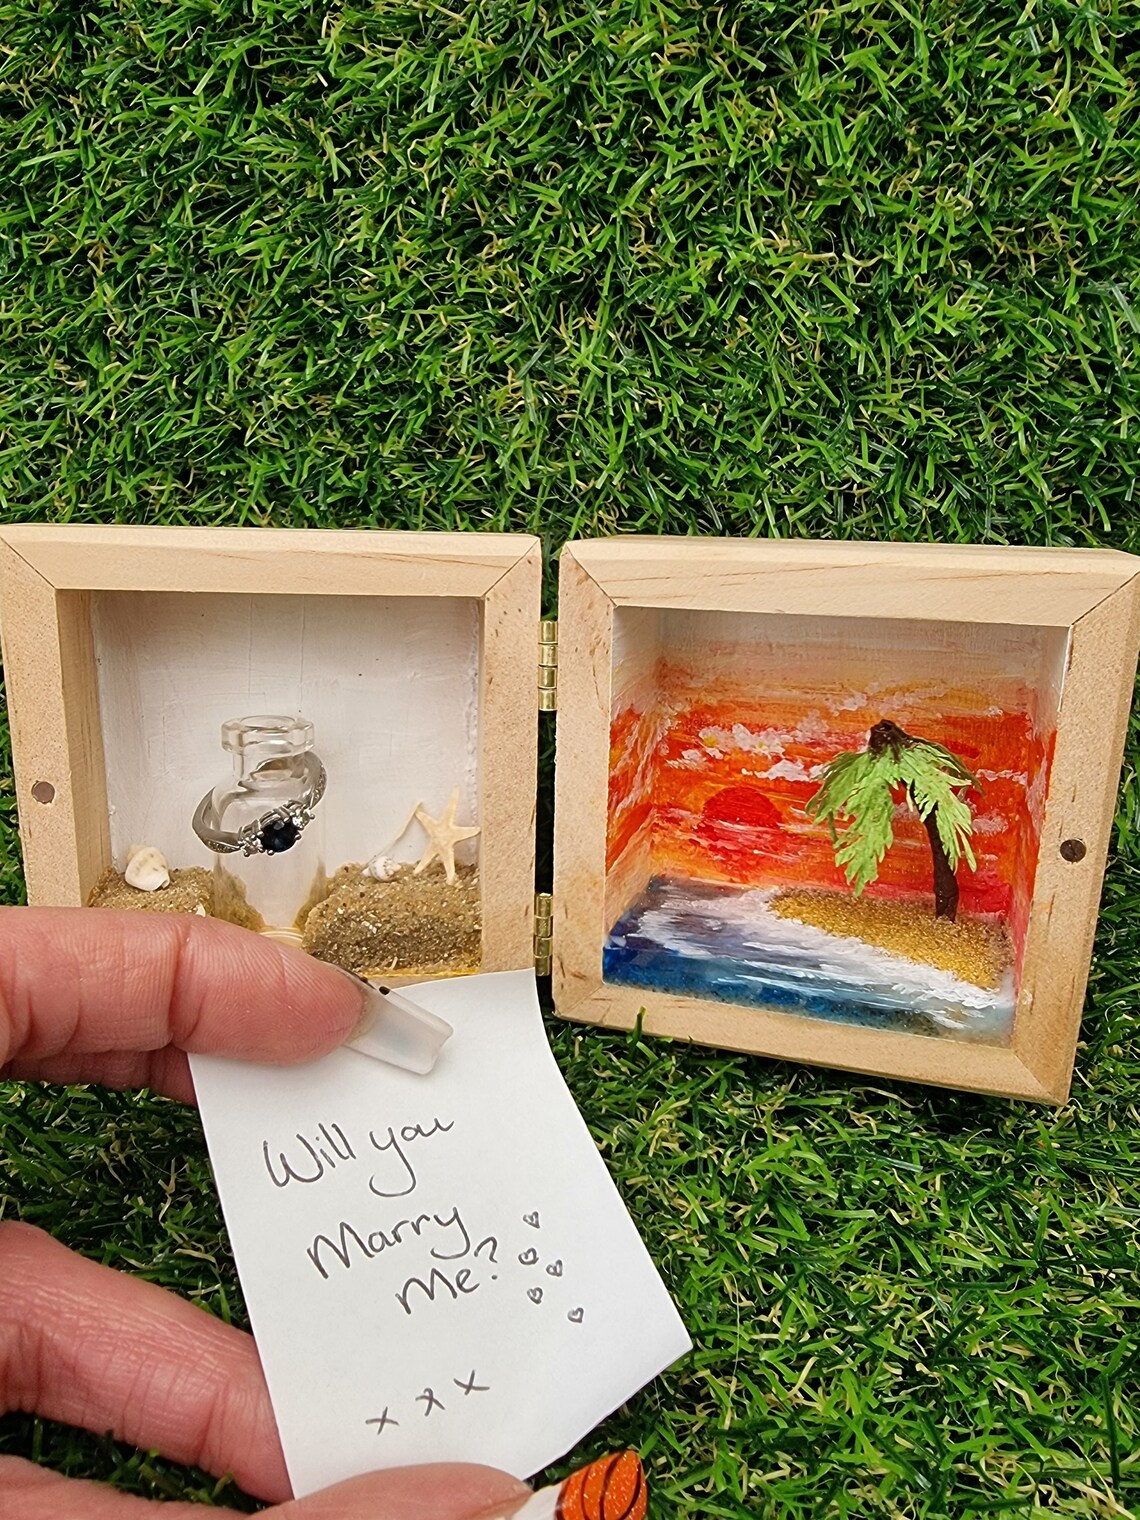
x=275, y=831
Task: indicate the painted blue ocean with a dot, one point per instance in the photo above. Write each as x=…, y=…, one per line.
x=725, y=943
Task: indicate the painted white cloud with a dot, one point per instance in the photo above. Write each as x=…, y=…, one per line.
x=720, y=741
x=788, y=770
x=813, y=726
x=739, y=738
x=991, y=824
x=746, y=740
x=690, y=760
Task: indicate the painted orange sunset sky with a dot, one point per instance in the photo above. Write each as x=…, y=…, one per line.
x=714, y=754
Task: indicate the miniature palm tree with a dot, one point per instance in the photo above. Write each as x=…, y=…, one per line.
x=860, y=785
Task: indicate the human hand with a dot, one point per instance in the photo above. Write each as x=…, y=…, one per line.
x=91, y=995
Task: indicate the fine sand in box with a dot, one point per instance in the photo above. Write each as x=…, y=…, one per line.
x=973, y=949
x=190, y=891
x=410, y=924
x=873, y=964
x=407, y=926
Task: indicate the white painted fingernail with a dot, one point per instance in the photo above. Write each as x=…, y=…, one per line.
x=392, y=1028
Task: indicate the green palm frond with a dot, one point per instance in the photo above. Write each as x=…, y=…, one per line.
x=932, y=775
x=856, y=787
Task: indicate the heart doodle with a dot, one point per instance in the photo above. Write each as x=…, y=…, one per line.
x=575, y=1316
x=532, y=1220
x=555, y=1268
x=528, y=1257
x=535, y=1295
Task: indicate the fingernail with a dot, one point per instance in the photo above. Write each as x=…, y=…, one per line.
x=613, y=1488
x=392, y=1028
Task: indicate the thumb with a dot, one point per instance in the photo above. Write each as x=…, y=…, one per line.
x=438, y=1491
x=74, y=981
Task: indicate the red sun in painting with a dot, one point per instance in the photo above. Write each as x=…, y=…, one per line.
x=737, y=825
x=745, y=806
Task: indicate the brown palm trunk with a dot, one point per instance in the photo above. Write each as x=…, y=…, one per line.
x=945, y=882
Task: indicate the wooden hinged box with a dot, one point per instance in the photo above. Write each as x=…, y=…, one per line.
x=706, y=691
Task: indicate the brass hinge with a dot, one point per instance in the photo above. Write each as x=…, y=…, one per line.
x=548, y=665
x=543, y=932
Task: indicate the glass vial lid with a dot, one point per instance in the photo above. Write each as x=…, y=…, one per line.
x=267, y=749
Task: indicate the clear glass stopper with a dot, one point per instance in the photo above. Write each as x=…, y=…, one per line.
x=267, y=750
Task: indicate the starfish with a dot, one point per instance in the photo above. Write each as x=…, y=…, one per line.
x=443, y=835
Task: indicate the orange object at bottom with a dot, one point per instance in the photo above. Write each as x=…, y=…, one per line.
x=612, y=1488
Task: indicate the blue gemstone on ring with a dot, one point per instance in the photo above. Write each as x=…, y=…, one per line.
x=279, y=835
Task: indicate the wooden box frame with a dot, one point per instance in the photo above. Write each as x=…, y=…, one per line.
x=49, y=574
x=1094, y=594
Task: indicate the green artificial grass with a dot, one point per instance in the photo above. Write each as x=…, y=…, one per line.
x=855, y=270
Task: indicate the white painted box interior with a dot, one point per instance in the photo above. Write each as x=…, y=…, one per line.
x=391, y=685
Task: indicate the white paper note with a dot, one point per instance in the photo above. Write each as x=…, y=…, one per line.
x=436, y=1268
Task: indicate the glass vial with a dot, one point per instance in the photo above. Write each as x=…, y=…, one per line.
x=273, y=891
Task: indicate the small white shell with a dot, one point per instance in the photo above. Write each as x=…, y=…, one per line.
x=381, y=868
x=200, y=910
x=147, y=869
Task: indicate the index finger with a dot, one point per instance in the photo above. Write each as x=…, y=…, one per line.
x=96, y=983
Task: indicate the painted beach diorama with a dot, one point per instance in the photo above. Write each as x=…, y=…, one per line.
x=834, y=819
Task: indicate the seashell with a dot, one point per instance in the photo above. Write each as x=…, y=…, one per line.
x=381, y=868
x=201, y=912
x=147, y=869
